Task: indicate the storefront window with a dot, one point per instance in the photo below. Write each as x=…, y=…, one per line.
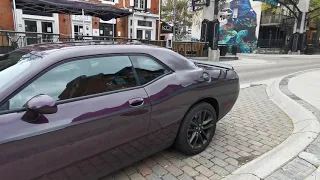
x=144, y=23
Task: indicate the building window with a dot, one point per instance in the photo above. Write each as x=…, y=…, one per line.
x=145, y=23
x=36, y=13
x=78, y=31
x=107, y=29
x=140, y=4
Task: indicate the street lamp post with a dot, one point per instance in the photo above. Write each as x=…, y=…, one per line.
x=14, y=14
x=174, y=20
x=210, y=14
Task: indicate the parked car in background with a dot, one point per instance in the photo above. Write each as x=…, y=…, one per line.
x=82, y=111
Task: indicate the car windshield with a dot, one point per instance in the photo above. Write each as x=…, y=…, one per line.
x=12, y=65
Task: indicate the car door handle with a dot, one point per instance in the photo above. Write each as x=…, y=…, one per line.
x=136, y=102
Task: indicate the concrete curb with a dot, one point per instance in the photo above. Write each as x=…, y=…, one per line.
x=306, y=130
x=314, y=176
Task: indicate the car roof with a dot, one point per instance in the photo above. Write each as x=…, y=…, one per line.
x=55, y=52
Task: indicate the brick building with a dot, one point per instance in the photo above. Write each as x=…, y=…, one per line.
x=143, y=23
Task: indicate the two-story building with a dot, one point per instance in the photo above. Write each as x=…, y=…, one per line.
x=275, y=26
x=143, y=23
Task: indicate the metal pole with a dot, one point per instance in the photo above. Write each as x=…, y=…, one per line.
x=159, y=28
x=209, y=14
x=83, y=23
x=295, y=26
x=113, y=28
x=14, y=14
x=303, y=19
x=174, y=21
x=133, y=30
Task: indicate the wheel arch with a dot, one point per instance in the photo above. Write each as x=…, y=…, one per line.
x=210, y=100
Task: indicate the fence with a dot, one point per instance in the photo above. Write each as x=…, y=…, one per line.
x=10, y=40
x=273, y=19
x=271, y=43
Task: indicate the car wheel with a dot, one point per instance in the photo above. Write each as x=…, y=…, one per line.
x=197, y=129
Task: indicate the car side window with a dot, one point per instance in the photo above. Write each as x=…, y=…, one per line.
x=147, y=68
x=79, y=78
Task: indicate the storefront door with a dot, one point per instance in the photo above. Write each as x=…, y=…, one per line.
x=31, y=26
x=44, y=35
x=144, y=34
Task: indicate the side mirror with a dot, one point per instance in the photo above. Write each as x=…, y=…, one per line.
x=39, y=105
x=42, y=104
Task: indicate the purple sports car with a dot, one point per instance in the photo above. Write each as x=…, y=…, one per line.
x=81, y=111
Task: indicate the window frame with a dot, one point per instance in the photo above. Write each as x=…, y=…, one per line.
x=63, y=61
x=138, y=2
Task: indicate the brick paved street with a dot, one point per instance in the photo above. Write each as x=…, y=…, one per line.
x=253, y=127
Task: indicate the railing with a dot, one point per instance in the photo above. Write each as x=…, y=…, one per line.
x=11, y=40
x=277, y=19
x=190, y=49
x=273, y=19
x=270, y=43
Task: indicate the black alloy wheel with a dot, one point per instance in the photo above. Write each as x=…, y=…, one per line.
x=196, y=129
x=200, y=128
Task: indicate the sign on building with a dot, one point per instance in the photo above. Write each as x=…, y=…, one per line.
x=166, y=28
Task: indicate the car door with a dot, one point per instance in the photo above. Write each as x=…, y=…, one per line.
x=101, y=123
x=161, y=84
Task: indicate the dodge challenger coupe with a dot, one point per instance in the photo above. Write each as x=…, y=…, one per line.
x=82, y=111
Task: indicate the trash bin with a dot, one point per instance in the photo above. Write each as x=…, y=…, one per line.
x=309, y=49
x=223, y=50
x=234, y=49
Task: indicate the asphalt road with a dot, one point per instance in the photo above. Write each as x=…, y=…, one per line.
x=274, y=67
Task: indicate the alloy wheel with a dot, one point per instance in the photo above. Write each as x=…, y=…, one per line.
x=200, y=128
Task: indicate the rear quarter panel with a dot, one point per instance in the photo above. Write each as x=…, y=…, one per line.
x=173, y=95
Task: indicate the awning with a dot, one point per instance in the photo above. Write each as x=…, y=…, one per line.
x=103, y=11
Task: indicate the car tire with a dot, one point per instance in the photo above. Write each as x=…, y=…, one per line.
x=193, y=129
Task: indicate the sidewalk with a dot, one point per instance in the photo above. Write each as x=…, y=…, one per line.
x=307, y=86
x=272, y=56
x=298, y=157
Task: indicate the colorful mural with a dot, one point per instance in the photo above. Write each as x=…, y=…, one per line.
x=239, y=24
x=272, y=2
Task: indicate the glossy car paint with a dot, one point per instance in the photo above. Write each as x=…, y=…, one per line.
x=90, y=137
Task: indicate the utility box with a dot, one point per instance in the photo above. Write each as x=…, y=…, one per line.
x=309, y=49
x=234, y=49
x=169, y=42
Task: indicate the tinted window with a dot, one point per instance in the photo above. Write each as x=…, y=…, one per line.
x=80, y=78
x=147, y=69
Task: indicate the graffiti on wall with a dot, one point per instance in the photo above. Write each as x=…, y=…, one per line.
x=239, y=24
x=272, y=2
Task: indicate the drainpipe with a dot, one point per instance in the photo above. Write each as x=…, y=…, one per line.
x=14, y=14
x=83, y=24
x=159, y=28
x=114, y=20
